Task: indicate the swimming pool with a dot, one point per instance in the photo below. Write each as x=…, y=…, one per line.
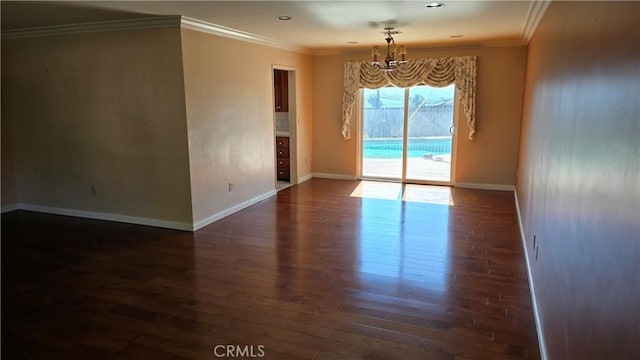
x=417, y=147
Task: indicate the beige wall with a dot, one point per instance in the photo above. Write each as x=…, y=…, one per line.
x=491, y=158
x=579, y=178
x=97, y=122
x=229, y=101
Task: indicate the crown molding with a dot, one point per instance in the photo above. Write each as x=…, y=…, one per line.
x=203, y=26
x=149, y=23
x=417, y=48
x=92, y=27
x=534, y=14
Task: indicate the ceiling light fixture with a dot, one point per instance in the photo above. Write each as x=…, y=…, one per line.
x=434, y=5
x=284, y=17
x=390, y=62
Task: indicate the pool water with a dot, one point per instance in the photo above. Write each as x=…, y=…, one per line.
x=417, y=147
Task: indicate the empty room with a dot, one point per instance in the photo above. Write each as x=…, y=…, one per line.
x=320, y=179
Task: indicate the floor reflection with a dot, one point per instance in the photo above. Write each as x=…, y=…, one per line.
x=310, y=273
x=404, y=232
x=286, y=250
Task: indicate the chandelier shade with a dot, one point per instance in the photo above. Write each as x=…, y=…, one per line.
x=391, y=60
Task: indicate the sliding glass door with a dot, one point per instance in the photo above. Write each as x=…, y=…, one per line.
x=383, y=133
x=407, y=134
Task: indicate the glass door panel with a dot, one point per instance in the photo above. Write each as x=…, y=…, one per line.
x=382, y=132
x=429, y=130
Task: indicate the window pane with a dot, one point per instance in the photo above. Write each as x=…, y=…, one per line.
x=383, y=128
x=430, y=119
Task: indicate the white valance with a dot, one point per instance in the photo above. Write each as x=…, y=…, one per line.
x=437, y=72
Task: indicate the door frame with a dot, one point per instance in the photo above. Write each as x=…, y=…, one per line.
x=403, y=178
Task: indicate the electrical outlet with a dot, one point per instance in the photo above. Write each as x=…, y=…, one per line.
x=534, y=241
x=537, y=248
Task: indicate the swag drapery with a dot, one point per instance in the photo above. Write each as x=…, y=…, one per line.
x=436, y=72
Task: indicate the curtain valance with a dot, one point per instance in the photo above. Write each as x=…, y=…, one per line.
x=437, y=72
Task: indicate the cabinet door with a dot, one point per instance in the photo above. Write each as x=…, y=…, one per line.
x=283, y=170
x=282, y=142
x=282, y=158
x=277, y=93
x=281, y=90
x=284, y=88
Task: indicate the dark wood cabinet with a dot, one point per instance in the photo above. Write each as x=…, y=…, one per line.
x=281, y=90
x=282, y=158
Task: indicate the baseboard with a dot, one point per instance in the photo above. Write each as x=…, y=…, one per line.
x=8, y=208
x=334, y=176
x=482, y=186
x=185, y=226
x=305, y=178
x=234, y=209
x=532, y=290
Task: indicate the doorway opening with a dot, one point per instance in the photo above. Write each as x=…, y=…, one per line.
x=284, y=115
x=408, y=134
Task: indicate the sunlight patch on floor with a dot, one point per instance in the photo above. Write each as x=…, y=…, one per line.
x=439, y=195
x=378, y=190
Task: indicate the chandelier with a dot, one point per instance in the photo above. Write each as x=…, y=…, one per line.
x=390, y=61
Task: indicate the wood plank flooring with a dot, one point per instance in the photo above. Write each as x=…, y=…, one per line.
x=325, y=270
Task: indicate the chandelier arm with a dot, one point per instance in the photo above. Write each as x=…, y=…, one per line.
x=390, y=62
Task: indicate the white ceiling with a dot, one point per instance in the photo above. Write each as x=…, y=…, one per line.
x=315, y=25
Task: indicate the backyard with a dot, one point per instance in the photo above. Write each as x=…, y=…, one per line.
x=428, y=158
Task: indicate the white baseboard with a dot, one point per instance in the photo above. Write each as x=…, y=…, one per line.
x=532, y=289
x=234, y=209
x=185, y=226
x=334, y=176
x=9, y=207
x=482, y=186
x=305, y=178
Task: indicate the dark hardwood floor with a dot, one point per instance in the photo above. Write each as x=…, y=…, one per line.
x=326, y=270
